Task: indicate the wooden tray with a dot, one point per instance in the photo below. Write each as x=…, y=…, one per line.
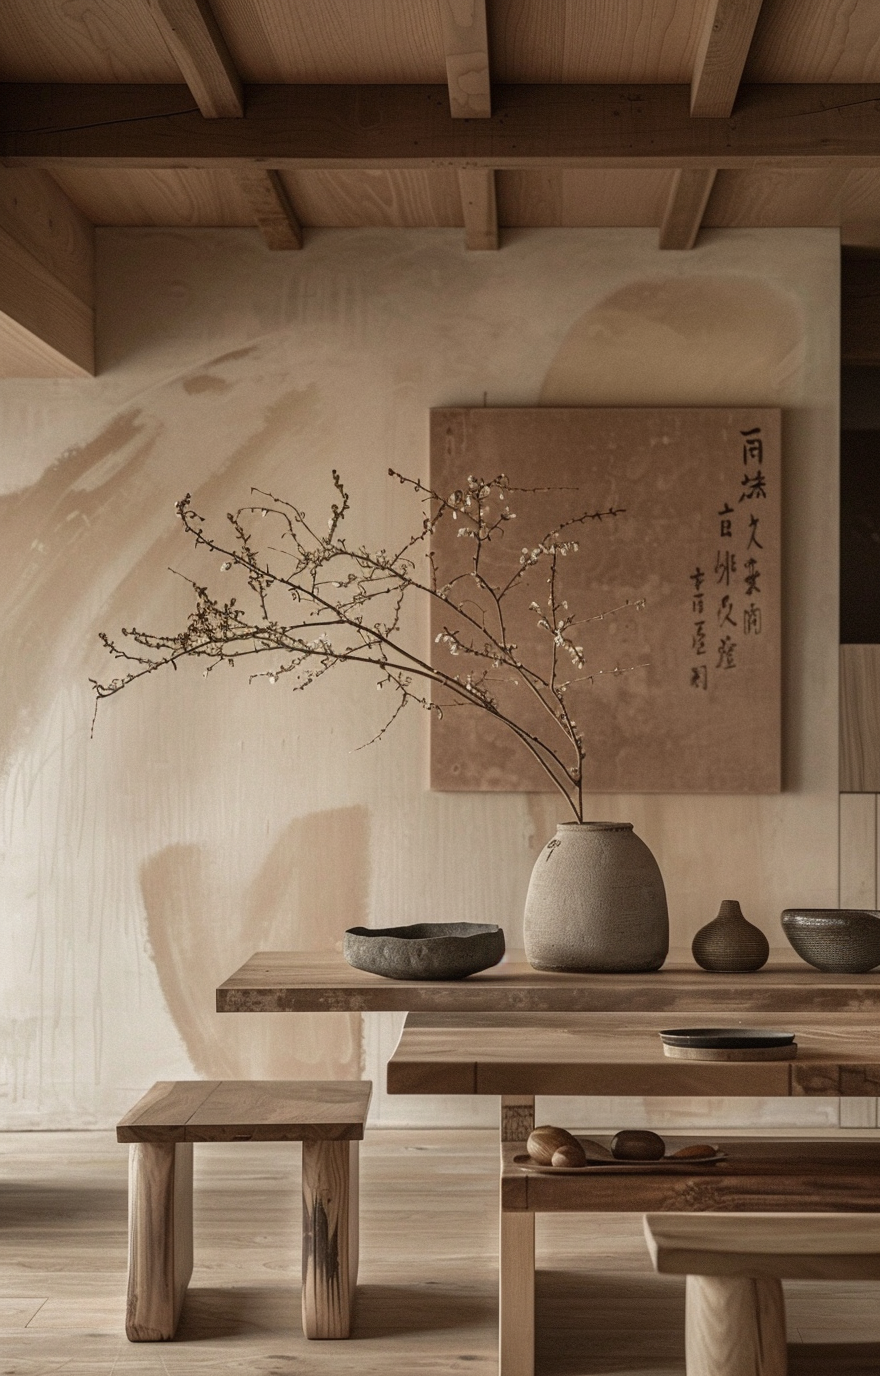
x=717, y=1053
x=666, y=1165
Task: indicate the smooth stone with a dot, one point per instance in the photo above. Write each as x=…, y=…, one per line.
x=425, y=950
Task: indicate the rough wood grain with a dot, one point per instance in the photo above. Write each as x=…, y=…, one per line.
x=409, y=126
x=601, y=1053
x=860, y=718
x=728, y=26
x=294, y=981
x=517, y=1116
x=272, y=208
x=479, y=207
x=516, y=1295
x=248, y=1111
x=198, y=47
x=812, y=1247
x=688, y=198
x=160, y=1243
x=466, y=44
x=329, y=1239
x=761, y=1175
x=162, y=1113
x=46, y=280
x=735, y=1326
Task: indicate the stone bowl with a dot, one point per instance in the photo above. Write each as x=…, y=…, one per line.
x=426, y=950
x=840, y=941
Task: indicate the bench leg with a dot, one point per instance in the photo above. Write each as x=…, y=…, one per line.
x=735, y=1326
x=330, y=1237
x=516, y=1295
x=160, y=1238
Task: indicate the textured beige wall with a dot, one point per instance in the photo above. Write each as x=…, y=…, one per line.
x=208, y=817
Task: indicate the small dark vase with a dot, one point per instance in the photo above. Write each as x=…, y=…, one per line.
x=729, y=942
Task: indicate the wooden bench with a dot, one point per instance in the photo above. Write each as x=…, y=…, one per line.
x=768, y=1175
x=735, y=1265
x=326, y=1116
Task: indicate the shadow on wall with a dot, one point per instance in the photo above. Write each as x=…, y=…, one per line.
x=677, y=341
x=313, y=883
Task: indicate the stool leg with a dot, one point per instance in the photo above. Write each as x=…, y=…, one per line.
x=330, y=1237
x=735, y=1326
x=160, y=1238
x=516, y=1295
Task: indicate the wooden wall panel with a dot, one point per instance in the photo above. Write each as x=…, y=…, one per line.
x=814, y=40
x=146, y=196
x=334, y=40
x=102, y=40
x=860, y=718
x=774, y=198
x=567, y=40
x=579, y=198
x=411, y=199
x=858, y=850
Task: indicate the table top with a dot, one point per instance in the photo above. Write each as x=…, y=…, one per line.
x=614, y=1054
x=302, y=982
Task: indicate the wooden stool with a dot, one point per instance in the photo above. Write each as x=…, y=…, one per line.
x=735, y=1265
x=326, y=1116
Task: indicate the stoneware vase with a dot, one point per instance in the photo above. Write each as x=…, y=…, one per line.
x=596, y=902
x=729, y=942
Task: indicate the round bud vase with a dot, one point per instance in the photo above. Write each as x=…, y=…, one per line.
x=729, y=942
x=596, y=902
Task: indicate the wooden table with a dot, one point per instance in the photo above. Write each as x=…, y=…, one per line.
x=516, y=1032
x=298, y=982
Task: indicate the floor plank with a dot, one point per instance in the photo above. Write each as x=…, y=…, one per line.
x=427, y=1294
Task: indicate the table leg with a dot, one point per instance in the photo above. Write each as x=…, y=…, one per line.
x=160, y=1238
x=735, y=1326
x=329, y=1270
x=516, y=1265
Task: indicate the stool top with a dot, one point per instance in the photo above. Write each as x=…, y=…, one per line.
x=248, y=1111
x=791, y=1246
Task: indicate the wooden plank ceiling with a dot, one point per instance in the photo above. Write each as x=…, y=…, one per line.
x=674, y=114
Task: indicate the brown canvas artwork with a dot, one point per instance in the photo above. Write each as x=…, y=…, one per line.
x=680, y=696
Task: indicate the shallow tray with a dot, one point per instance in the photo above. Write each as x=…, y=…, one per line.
x=666, y=1165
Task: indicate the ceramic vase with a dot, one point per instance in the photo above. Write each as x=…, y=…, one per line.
x=729, y=942
x=596, y=902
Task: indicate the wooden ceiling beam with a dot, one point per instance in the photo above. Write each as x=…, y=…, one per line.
x=688, y=197
x=466, y=40
x=46, y=280
x=479, y=207
x=198, y=47
x=271, y=206
x=540, y=126
x=721, y=56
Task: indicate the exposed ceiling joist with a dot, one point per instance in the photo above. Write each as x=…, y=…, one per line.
x=466, y=40
x=479, y=207
x=272, y=208
x=46, y=280
x=684, y=210
x=199, y=49
x=796, y=126
x=721, y=56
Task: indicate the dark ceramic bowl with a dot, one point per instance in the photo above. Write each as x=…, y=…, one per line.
x=840, y=941
x=426, y=950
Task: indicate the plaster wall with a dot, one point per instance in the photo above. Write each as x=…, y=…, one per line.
x=207, y=818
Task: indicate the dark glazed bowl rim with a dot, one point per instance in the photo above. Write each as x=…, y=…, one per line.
x=829, y=916
x=735, y=1038
x=429, y=931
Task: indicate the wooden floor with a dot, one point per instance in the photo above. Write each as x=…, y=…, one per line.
x=427, y=1301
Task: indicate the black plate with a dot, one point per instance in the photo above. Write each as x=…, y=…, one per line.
x=720, y=1038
